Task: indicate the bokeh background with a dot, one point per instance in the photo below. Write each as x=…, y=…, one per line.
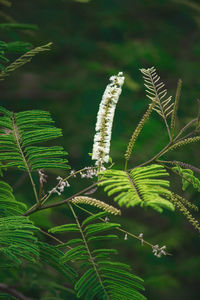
x=91, y=41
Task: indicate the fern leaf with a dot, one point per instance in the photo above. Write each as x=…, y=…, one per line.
x=8, y=204
x=156, y=90
x=64, y=228
x=53, y=257
x=99, y=227
x=102, y=278
x=19, y=134
x=17, y=240
x=139, y=187
x=187, y=178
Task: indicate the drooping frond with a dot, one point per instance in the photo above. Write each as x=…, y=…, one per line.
x=22, y=60
x=17, y=240
x=97, y=203
x=156, y=90
x=141, y=186
x=187, y=178
x=19, y=135
x=102, y=278
x=8, y=204
x=53, y=257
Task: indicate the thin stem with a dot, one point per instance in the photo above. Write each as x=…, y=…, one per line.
x=88, y=250
x=12, y=291
x=185, y=128
x=120, y=229
x=16, y=135
x=36, y=208
x=164, y=150
x=46, y=197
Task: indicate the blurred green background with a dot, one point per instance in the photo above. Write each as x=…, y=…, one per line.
x=92, y=41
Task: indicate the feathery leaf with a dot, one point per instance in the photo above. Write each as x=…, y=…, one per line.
x=139, y=186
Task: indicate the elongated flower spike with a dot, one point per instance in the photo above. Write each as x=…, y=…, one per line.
x=101, y=146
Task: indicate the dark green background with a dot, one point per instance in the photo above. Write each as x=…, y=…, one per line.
x=92, y=41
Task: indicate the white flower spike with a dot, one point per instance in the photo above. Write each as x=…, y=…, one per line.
x=101, y=146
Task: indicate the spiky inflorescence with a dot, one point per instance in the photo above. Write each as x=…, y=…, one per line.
x=177, y=201
x=184, y=142
x=101, y=146
x=175, y=108
x=97, y=203
x=138, y=130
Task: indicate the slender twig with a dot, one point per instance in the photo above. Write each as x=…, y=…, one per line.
x=171, y=143
x=12, y=291
x=120, y=229
x=46, y=197
x=37, y=208
x=185, y=128
x=154, y=157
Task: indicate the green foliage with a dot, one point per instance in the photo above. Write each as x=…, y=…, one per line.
x=102, y=278
x=53, y=257
x=20, y=132
x=17, y=240
x=156, y=90
x=187, y=178
x=138, y=187
x=8, y=204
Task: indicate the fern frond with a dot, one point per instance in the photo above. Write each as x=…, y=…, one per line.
x=187, y=178
x=52, y=256
x=17, y=240
x=138, y=187
x=18, y=136
x=22, y=60
x=156, y=90
x=102, y=278
x=97, y=203
x=8, y=204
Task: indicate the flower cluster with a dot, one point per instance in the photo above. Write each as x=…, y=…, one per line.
x=101, y=146
x=43, y=177
x=159, y=251
x=60, y=187
x=87, y=172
